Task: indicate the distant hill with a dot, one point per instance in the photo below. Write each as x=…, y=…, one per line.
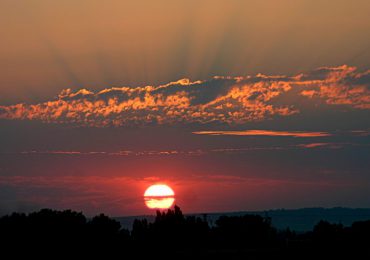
x=299, y=220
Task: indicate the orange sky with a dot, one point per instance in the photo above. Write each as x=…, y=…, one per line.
x=47, y=46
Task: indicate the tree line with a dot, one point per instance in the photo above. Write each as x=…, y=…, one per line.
x=173, y=235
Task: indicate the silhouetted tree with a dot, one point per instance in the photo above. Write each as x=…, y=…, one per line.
x=140, y=230
x=328, y=235
x=359, y=235
x=104, y=226
x=244, y=231
x=103, y=235
x=68, y=233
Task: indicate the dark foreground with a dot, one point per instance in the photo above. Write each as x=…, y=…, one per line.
x=68, y=234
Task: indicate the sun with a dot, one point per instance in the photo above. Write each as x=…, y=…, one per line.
x=159, y=196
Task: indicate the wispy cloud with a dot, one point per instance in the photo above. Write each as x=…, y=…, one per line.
x=361, y=132
x=315, y=145
x=226, y=100
x=55, y=152
x=113, y=153
x=264, y=133
x=195, y=152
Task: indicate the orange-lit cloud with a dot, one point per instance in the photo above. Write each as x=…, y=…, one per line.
x=228, y=100
x=264, y=133
x=342, y=86
x=313, y=145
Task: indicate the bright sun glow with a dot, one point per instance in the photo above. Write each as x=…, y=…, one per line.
x=159, y=196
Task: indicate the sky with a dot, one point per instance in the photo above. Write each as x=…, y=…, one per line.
x=237, y=105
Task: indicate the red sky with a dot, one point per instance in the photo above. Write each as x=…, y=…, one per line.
x=237, y=105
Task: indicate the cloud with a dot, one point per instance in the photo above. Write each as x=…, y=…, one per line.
x=342, y=86
x=225, y=100
x=264, y=133
x=361, y=132
x=314, y=145
x=196, y=152
x=54, y=152
x=113, y=153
